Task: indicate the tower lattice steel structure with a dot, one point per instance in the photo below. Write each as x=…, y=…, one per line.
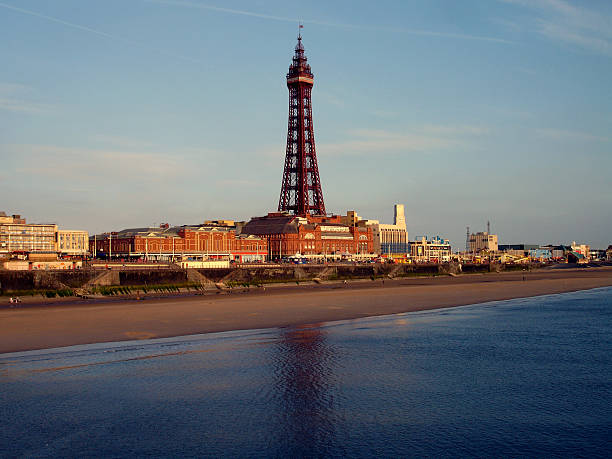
x=301, y=188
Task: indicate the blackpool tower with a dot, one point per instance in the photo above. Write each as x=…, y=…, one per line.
x=301, y=188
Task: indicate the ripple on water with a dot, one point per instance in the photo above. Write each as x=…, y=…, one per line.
x=528, y=377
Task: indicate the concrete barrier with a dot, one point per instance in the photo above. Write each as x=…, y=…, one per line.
x=255, y=274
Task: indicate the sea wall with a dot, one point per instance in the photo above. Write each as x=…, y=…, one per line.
x=41, y=280
x=153, y=277
x=292, y=273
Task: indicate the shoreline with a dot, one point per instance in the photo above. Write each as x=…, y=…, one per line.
x=50, y=324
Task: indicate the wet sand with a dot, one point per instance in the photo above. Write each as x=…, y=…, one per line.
x=49, y=324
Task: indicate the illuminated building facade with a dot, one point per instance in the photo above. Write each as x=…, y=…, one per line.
x=313, y=237
x=203, y=242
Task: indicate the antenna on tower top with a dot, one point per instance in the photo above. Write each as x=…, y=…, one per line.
x=300, y=27
x=488, y=227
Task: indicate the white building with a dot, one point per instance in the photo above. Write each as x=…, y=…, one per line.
x=72, y=242
x=483, y=242
x=435, y=250
x=394, y=238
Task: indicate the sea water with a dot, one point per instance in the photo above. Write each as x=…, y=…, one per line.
x=519, y=378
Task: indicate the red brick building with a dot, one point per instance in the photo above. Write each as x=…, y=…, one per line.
x=198, y=242
x=314, y=237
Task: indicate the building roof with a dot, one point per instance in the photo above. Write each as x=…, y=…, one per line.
x=565, y=248
x=271, y=224
x=141, y=232
x=165, y=232
x=503, y=247
x=206, y=227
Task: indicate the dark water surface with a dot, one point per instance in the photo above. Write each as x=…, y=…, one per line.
x=519, y=378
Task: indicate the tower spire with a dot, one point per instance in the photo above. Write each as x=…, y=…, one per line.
x=301, y=191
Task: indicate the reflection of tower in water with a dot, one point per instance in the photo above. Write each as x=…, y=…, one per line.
x=305, y=390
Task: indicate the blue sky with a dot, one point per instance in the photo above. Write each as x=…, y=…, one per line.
x=122, y=113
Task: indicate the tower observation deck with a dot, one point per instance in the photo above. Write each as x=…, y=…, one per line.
x=301, y=187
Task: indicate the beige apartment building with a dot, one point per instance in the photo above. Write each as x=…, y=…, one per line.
x=17, y=236
x=483, y=242
x=22, y=238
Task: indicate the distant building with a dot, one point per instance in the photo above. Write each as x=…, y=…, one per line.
x=390, y=240
x=597, y=255
x=582, y=249
x=483, y=242
x=17, y=237
x=228, y=223
x=202, y=242
x=13, y=219
x=72, y=243
x=351, y=219
x=394, y=238
x=558, y=252
x=520, y=247
x=609, y=253
x=313, y=237
x=435, y=250
x=541, y=254
x=26, y=238
x=514, y=252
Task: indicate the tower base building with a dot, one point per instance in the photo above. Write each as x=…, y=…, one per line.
x=313, y=238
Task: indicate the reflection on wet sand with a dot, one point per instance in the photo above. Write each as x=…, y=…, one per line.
x=306, y=388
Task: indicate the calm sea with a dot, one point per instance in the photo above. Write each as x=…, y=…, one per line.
x=519, y=378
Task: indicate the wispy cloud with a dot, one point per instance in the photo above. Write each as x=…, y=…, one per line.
x=239, y=183
x=512, y=26
x=11, y=88
x=568, y=23
x=14, y=98
x=455, y=130
x=426, y=139
x=331, y=98
x=384, y=113
x=15, y=105
x=95, y=166
x=601, y=45
x=95, y=32
x=505, y=111
x=123, y=142
x=562, y=135
x=429, y=33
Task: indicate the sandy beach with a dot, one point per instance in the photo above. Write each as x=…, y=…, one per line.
x=68, y=322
